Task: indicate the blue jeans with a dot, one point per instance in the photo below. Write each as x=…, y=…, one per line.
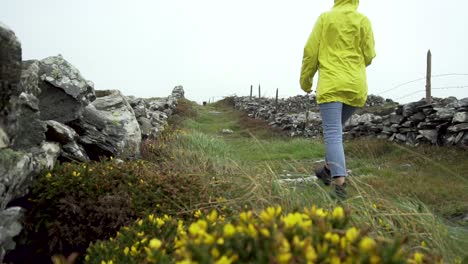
x=334, y=116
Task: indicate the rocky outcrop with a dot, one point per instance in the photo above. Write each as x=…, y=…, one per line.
x=444, y=122
x=109, y=127
x=64, y=92
x=10, y=73
x=152, y=114
x=50, y=112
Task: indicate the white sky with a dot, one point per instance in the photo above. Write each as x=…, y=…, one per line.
x=216, y=48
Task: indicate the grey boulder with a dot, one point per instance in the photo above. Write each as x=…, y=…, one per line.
x=109, y=127
x=64, y=91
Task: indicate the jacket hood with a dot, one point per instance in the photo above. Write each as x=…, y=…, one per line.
x=343, y=3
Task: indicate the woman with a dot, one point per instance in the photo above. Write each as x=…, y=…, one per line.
x=340, y=47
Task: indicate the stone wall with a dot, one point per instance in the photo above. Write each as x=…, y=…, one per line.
x=443, y=122
x=49, y=112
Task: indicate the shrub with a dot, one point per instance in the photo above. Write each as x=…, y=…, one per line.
x=75, y=204
x=311, y=236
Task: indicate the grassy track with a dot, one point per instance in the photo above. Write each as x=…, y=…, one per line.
x=394, y=190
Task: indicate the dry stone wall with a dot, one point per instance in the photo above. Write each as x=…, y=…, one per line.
x=443, y=122
x=49, y=112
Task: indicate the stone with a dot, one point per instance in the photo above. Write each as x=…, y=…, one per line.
x=408, y=124
x=178, y=92
x=73, y=152
x=401, y=137
x=411, y=108
x=10, y=227
x=10, y=65
x=64, y=92
x=30, y=130
x=428, y=125
x=58, y=132
x=30, y=77
x=19, y=169
x=442, y=114
x=418, y=117
x=463, y=102
x=109, y=127
x=145, y=127
x=431, y=135
x=460, y=117
x=395, y=119
x=458, y=128
x=227, y=131
x=140, y=109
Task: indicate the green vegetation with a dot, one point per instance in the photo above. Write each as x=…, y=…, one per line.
x=401, y=198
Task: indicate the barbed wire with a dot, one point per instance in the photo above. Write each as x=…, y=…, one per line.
x=420, y=79
x=436, y=88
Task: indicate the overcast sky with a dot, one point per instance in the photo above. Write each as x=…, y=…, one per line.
x=216, y=48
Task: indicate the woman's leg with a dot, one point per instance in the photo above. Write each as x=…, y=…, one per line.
x=332, y=115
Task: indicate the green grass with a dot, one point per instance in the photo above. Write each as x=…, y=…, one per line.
x=395, y=190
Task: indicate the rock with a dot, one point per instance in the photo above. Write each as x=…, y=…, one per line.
x=19, y=170
x=30, y=130
x=64, y=92
x=145, y=127
x=411, y=108
x=431, y=135
x=178, y=92
x=4, y=140
x=58, y=132
x=140, y=109
x=418, y=117
x=458, y=128
x=73, y=152
x=395, y=119
x=460, y=117
x=10, y=227
x=30, y=77
x=450, y=102
x=463, y=102
x=227, y=131
x=10, y=65
x=374, y=100
x=442, y=114
x=10, y=73
x=109, y=127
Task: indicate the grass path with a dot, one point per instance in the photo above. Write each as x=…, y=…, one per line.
x=418, y=192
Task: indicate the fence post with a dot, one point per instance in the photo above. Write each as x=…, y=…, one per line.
x=251, y=91
x=428, y=77
x=259, y=92
x=276, y=101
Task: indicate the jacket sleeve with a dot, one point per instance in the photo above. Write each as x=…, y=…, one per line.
x=368, y=43
x=310, y=59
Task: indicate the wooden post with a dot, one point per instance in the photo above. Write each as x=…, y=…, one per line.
x=251, y=91
x=259, y=92
x=428, y=77
x=276, y=101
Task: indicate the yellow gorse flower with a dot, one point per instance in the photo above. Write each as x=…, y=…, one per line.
x=270, y=214
x=367, y=245
x=338, y=213
x=229, y=230
x=352, y=234
x=155, y=243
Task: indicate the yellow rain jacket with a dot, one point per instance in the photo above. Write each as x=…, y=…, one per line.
x=341, y=46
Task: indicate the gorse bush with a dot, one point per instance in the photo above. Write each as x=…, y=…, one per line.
x=75, y=204
x=313, y=235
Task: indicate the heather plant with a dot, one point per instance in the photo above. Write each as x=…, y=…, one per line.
x=75, y=204
x=312, y=235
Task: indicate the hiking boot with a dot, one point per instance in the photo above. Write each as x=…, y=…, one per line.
x=340, y=191
x=324, y=175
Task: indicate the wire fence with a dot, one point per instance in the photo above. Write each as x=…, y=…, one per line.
x=423, y=90
x=393, y=89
